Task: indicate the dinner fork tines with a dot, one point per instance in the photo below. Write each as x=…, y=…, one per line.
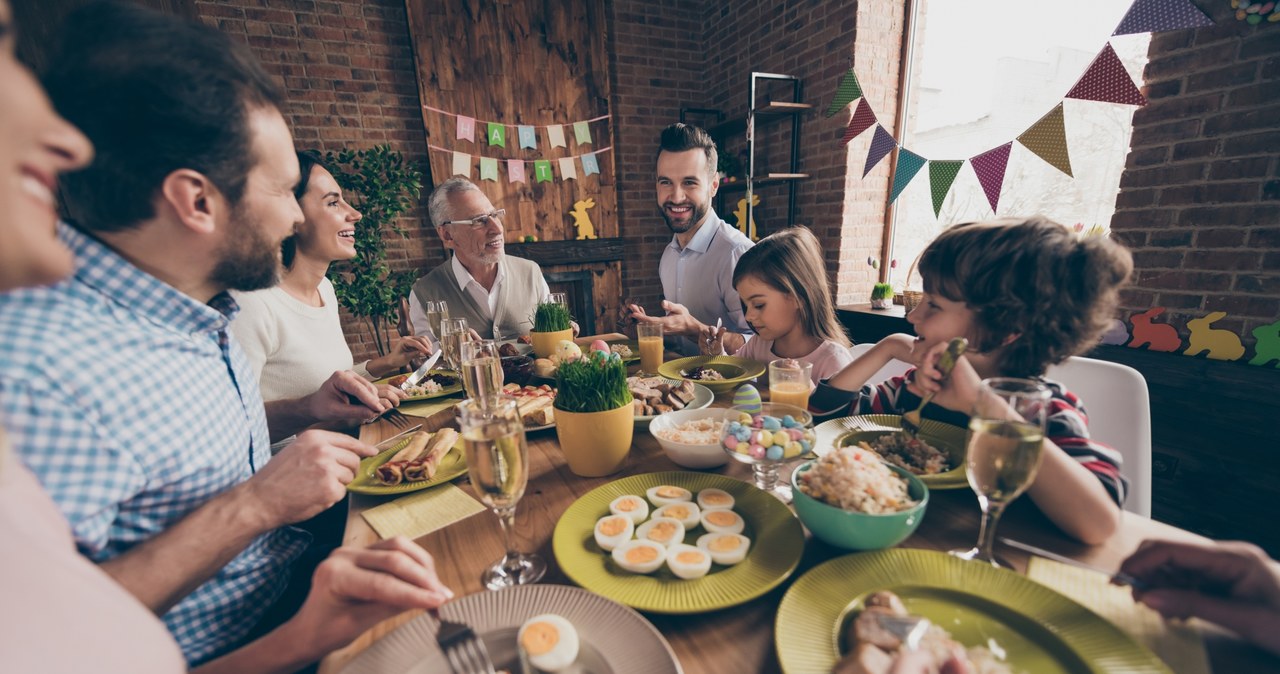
x=465, y=651
x=397, y=418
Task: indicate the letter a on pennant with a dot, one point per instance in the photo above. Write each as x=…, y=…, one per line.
x=497, y=134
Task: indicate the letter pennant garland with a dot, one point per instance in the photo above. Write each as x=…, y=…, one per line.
x=544, y=170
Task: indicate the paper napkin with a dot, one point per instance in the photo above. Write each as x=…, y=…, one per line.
x=420, y=513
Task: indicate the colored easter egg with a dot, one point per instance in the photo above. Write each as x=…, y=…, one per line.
x=747, y=396
x=757, y=452
x=772, y=423
x=600, y=345
x=774, y=453
x=744, y=419
x=730, y=442
x=792, y=449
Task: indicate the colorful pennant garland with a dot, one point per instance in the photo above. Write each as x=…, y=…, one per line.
x=848, y=92
x=990, y=166
x=543, y=170
x=1107, y=81
x=941, y=175
x=862, y=120
x=881, y=144
x=496, y=132
x=909, y=164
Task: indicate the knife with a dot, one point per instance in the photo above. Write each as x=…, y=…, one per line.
x=421, y=372
x=1116, y=577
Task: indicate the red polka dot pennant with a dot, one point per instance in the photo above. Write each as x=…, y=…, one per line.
x=1152, y=16
x=1107, y=81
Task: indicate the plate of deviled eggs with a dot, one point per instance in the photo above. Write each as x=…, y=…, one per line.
x=559, y=628
x=678, y=542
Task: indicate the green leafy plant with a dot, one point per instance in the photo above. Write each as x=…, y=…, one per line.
x=551, y=317
x=882, y=291
x=382, y=186
x=596, y=383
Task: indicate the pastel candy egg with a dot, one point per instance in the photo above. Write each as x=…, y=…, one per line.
x=789, y=421
x=743, y=448
x=805, y=446
x=757, y=421
x=747, y=396
x=745, y=419
x=730, y=442
x=764, y=438
x=600, y=345
x=743, y=434
x=757, y=452
x=774, y=453
x=772, y=423
x=792, y=449
x=795, y=434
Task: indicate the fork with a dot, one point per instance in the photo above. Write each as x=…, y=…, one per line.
x=465, y=652
x=397, y=418
x=908, y=629
x=955, y=348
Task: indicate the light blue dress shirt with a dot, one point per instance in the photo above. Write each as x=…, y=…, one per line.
x=700, y=276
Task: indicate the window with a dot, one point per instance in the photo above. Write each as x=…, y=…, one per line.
x=981, y=73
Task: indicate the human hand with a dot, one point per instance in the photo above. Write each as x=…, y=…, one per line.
x=1233, y=584
x=346, y=397
x=711, y=340
x=391, y=395
x=407, y=349
x=955, y=391
x=306, y=477
x=678, y=320
x=356, y=588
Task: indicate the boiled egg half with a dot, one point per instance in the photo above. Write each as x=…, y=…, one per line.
x=630, y=506
x=687, y=512
x=666, y=531
x=667, y=494
x=713, y=499
x=613, y=530
x=640, y=556
x=687, y=561
x=550, y=641
x=722, y=522
x=726, y=549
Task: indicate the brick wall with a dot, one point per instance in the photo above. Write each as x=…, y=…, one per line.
x=1200, y=196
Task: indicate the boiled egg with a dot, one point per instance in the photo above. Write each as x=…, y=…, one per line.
x=667, y=494
x=722, y=522
x=666, y=531
x=712, y=499
x=688, y=562
x=550, y=641
x=726, y=549
x=630, y=506
x=687, y=513
x=640, y=556
x=613, y=530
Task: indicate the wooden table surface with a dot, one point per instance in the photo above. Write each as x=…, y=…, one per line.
x=739, y=639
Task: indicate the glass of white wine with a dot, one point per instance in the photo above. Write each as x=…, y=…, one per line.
x=481, y=369
x=498, y=463
x=1006, y=434
x=437, y=312
x=453, y=334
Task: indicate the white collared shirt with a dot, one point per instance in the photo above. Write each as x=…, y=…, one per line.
x=700, y=276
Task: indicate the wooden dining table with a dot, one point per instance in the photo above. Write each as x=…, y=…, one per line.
x=737, y=639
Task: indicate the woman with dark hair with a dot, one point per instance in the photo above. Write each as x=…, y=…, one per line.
x=291, y=332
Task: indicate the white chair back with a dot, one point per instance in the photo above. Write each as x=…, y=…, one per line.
x=1119, y=407
x=891, y=369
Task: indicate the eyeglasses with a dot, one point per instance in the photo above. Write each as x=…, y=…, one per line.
x=480, y=221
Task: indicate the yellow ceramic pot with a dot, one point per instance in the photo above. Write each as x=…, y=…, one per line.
x=545, y=343
x=596, y=443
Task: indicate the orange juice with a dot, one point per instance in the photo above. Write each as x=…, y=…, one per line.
x=790, y=393
x=650, y=354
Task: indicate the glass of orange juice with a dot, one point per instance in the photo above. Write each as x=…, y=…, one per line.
x=789, y=382
x=649, y=336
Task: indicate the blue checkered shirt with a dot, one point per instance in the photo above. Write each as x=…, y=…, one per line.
x=133, y=406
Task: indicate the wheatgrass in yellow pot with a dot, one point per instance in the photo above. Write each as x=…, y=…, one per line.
x=594, y=417
x=551, y=324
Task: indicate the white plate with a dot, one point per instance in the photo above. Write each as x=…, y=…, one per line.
x=702, y=399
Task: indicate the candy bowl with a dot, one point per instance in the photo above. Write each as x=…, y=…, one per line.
x=766, y=438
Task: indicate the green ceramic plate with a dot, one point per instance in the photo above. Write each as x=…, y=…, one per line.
x=448, y=390
x=867, y=427
x=630, y=344
x=452, y=465
x=1040, y=630
x=777, y=541
x=736, y=370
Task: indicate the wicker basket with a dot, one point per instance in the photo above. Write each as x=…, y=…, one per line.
x=911, y=297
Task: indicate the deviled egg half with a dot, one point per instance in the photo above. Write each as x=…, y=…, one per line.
x=715, y=499
x=725, y=549
x=722, y=522
x=688, y=513
x=666, y=494
x=640, y=556
x=613, y=530
x=666, y=531
x=630, y=506
x=687, y=561
x=550, y=641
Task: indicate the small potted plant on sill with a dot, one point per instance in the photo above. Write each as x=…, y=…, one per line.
x=881, y=296
x=594, y=416
x=551, y=323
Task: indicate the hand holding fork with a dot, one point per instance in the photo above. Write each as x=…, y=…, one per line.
x=946, y=362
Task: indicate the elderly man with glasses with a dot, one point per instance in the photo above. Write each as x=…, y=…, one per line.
x=497, y=294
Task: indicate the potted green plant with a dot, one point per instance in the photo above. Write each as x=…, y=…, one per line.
x=381, y=186
x=594, y=416
x=881, y=296
x=551, y=323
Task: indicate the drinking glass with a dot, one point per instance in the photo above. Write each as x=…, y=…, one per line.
x=1006, y=433
x=790, y=382
x=498, y=462
x=481, y=369
x=558, y=298
x=453, y=334
x=437, y=312
x=649, y=337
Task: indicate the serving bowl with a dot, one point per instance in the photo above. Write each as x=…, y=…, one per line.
x=853, y=530
x=517, y=369
x=691, y=455
x=734, y=370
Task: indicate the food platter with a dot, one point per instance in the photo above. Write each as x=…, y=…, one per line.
x=702, y=398
x=451, y=466
x=867, y=427
x=451, y=389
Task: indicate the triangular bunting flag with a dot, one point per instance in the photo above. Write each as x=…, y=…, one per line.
x=542, y=170
x=909, y=164
x=497, y=134
x=846, y=93
x=1153, y=16
x=881, y=144
x=990, y=166
x=862, y=120
x=528, y=139
x=466, y=128
x=555, y=134
x=582, y=133
x=589, y=164
x=1048, y=139
x=941, y=175
x=515, y=171
x=567, y=170
x=1106, y=80
x=488, y=168
x=461, y=164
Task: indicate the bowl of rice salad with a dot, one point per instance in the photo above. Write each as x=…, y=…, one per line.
x=691, y=438
x=853, y=500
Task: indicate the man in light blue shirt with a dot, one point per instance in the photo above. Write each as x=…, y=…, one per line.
x=697, y=266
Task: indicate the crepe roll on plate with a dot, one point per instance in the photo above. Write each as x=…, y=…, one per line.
x=425, y=466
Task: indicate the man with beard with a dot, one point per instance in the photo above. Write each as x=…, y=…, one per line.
x=121, y=386
x=495, y=293
x=697, y=266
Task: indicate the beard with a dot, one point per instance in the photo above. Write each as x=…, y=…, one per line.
x=249, y=261
x=678, y=227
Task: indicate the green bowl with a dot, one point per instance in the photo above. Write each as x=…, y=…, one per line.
x=734, y=370
x=855, y=530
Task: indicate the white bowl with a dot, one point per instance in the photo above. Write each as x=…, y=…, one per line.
x=707, y=455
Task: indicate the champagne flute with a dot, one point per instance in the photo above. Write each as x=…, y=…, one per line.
x=481, y=369
x=498, y=461
x=453, y=334
x=1006, y=436
x=437, y=312
x=558, y=298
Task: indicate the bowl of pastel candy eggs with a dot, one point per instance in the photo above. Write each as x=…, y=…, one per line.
x=768, y=433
